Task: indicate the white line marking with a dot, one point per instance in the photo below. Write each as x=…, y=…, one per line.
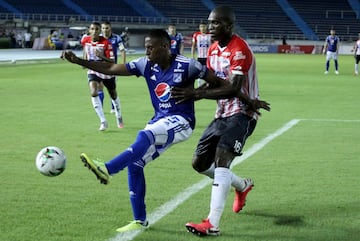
x=169, y=206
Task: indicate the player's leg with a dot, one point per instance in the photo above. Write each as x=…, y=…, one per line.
x=101, y=93
x=233, y=137
x=327, y=64
x=96, y=102
x=166, y=132
x=110, y=84
x=357, y=60
x=335, y=57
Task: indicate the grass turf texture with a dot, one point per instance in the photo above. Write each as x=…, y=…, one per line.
x=305, y=180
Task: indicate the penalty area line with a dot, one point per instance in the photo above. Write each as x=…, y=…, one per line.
x=180, y=198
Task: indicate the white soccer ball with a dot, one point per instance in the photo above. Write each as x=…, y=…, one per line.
x=51, y=161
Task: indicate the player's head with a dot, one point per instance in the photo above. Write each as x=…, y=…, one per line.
x=157, y=45
x=172, y=29
x=203, y=27
x=221, y=23
x=332, y=32
x=106, y=29
x=94, y=29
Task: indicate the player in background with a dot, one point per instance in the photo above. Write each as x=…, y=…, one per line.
x=96, y=48
x=177, y=45
x=117, y=44
x=201, y=41
x=231, y=59
x=172, y=122
x=331, y=49
x=356, y=50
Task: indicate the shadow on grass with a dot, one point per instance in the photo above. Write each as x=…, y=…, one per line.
x=288, y=220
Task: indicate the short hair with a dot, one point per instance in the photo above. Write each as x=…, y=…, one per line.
x=96, y=23
x=106, y=22
x=160, y=34
x=226, y=13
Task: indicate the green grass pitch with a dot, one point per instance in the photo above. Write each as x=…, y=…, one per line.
x=306, y=178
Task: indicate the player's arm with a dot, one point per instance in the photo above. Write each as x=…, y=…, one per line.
x=102, y=67
x=122, y=50
x=193, y=47
x=325, y=46
x=102, y=56
x=217, y=88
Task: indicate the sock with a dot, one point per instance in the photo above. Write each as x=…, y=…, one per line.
x=219, y=192
x=133, y=154
x=101, y=96
x=327, y=65
x=98, y=108
x=237, y=182
x=209, y=172
x=336, y=65
x=356, y=68
x=137, y=189
x=116, y=104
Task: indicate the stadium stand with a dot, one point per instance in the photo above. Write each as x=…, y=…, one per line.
x=106, y=7
x=177, y=11
x=323, y=16
x=256, y=19
x=263, y=19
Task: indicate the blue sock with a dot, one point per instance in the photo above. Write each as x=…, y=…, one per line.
x=336, y=65
x=327, y=65
x=137, y=189
x=101, y=96
x=133, y=154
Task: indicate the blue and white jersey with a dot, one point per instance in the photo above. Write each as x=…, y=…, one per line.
x=176, y=42
x=182, y=73
x=332, y=42
x=117, y=44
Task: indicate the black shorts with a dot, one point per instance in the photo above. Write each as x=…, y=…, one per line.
x=228, y=133
x=357, y=59
x=110, y=84
x=202, y=61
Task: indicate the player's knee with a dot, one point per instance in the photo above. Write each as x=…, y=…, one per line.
x=199, y=164
x=145, y=136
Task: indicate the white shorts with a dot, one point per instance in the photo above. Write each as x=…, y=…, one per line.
x=167, y=131
x=331, y=55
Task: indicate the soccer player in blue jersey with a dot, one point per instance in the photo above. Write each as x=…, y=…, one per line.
x=117, y=44
x=331, y=49
x=172, y=122
x=177, y=45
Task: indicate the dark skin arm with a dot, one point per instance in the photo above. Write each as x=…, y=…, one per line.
x=102, y=67
x=223, y=91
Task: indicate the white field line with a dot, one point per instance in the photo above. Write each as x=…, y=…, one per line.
x=171, y=205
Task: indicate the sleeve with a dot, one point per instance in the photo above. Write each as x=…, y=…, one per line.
x=196, y=69
x=137, y=66
x=240, y=60
x=108, y=51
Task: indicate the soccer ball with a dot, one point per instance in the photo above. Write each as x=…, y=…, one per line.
x=51, y=161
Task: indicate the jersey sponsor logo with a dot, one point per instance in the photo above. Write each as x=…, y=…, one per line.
x=177, y=78
x=239, y=55
x=226, y=54
x=153, y=77
x=162, y=91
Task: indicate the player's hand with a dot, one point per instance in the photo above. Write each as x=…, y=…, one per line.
x=183, y=94
x=256, y=105
x=69, y=56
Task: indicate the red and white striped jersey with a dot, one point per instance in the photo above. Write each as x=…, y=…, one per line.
x=203, y=42
x=90, y=48
x=234, y=59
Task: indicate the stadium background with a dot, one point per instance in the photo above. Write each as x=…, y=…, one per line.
x=263, y=23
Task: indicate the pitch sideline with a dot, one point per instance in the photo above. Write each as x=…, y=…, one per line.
x=169, y=206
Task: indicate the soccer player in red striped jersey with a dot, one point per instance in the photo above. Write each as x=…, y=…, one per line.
x=98, y=48
x=231, y=59
x=201, y=41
